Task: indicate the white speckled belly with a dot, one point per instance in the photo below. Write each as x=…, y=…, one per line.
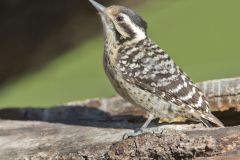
x=148, y=101
x=142, y=98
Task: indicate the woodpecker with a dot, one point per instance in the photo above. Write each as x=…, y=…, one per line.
x=144, y=74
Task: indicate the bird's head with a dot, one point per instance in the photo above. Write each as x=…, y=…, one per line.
x=121, y=24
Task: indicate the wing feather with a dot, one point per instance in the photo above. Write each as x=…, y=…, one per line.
x=163, y=77
x=154, y=71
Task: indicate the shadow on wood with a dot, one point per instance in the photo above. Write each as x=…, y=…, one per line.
x=94, y=129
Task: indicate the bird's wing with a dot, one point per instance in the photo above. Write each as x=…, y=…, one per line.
x=154, y=71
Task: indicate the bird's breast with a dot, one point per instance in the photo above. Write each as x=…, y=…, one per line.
x=112, y=70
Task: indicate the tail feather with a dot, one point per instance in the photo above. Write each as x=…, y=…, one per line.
x=209, y=120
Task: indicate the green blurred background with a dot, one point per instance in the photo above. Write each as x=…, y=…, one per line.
x=202, y=36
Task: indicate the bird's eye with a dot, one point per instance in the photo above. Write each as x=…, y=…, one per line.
x=119, y=18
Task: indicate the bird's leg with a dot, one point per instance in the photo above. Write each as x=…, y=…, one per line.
x=143, y=129
x=147, y=122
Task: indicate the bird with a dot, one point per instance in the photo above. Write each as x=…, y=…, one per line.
x=144, y=74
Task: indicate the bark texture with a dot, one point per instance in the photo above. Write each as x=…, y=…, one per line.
x=93, y=129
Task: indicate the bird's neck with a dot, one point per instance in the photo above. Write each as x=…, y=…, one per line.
x=114, y=49
x=135, y=40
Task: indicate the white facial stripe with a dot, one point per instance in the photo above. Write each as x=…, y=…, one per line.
x=121, y=31
x=140, y=34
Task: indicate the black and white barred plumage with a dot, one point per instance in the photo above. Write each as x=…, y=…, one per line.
x=142, y=73
x=151, y=69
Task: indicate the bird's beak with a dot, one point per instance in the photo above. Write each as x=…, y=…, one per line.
x=98, y=6
x=107, y=23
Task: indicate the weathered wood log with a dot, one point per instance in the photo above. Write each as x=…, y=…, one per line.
x=222, y=94
x=93, y=129
x=172, y=144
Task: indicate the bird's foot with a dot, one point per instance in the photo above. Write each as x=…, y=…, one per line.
x=132, y=133
x=142, y=131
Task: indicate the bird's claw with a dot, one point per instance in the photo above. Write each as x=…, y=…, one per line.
x=136, y=133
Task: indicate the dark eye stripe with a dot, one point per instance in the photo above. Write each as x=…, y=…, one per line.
x=135, y=18
x=128, y=30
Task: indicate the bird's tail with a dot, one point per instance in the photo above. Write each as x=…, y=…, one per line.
x=209, y=120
